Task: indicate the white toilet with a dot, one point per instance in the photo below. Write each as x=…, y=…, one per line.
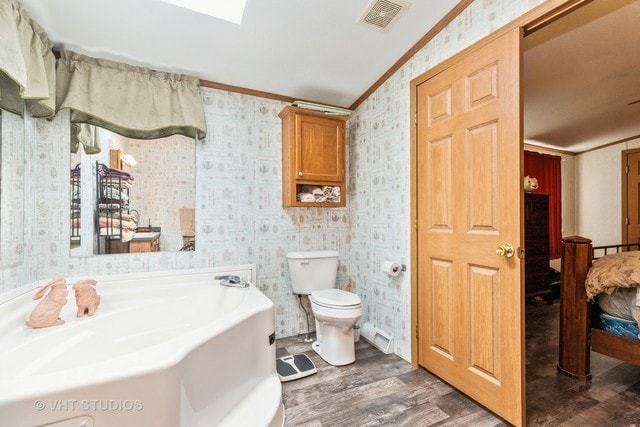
x=336, y=311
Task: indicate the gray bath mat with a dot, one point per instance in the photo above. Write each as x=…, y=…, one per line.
x=293, y=367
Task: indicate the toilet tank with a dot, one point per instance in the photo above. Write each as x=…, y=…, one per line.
x=312, y=270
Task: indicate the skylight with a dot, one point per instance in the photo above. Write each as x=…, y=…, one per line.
x=229, y=10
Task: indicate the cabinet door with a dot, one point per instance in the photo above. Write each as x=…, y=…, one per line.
x=319, y=149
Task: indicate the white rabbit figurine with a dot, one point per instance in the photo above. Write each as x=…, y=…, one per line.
x=87, y=299
x=47, y=312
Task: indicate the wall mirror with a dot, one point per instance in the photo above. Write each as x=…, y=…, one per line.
x=132, y=195
x=12, y=189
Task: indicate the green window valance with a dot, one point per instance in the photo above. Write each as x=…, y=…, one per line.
x=27, y=64
x=132, y=101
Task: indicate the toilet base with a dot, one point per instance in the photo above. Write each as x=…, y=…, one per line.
x=333, y=346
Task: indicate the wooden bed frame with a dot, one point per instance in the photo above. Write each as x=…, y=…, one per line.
x=580, y=319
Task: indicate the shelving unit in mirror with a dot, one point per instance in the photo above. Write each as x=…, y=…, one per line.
x=115, y=227
x=76, y=206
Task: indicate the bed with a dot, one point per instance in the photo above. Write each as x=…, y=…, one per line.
x=581, y=329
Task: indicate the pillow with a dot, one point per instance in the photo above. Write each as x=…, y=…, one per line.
x=621, y=303
x=615, y=270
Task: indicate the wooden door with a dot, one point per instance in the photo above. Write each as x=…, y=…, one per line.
x=469, y=203
x=631, y=196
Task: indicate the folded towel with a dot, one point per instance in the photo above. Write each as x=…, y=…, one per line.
x=306, y=197
x=312, y=189
x=312, y=193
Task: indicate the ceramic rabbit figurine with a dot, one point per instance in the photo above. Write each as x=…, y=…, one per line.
x=87, y=299
x=47, y=312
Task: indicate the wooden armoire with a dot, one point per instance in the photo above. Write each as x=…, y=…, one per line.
x=536, y=246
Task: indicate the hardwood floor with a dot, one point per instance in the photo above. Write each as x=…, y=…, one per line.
x=385, y=390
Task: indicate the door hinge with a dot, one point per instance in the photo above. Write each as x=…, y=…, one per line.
x=520, y=253
x=626, y=168
x=417, y=335
x=415, y=119
x=627, y=221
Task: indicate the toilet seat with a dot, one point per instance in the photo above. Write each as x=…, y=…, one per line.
x=335, y=299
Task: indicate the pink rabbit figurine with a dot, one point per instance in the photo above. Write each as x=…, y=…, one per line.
x=47, y=312
x=87, y=299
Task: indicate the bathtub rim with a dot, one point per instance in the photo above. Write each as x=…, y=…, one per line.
x=25, y=289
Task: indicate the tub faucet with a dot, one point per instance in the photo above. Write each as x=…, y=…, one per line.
x=232, y=281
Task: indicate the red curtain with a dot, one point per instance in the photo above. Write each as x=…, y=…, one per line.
x=546, y=168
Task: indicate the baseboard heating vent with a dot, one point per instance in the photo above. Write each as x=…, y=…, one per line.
x=378, y=338
x=293, y=367
x=381, y=14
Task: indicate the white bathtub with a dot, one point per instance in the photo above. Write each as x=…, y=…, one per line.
x=164, y=349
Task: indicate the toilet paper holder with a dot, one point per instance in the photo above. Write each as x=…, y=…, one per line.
x=392, y=269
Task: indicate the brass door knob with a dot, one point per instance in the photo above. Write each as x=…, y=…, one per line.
x=299, y=173
x=505, y=250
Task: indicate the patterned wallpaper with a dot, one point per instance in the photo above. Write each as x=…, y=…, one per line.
x=17, y=271
x=379, y=172
x=239, y=213
x=11, y=189
x=238, y=194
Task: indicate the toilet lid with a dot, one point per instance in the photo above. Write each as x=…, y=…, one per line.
x=335, y=297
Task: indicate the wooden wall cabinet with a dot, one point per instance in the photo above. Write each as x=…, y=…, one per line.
x=536, y=246
x=313, y=149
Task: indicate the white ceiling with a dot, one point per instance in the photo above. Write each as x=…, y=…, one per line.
x=307, y=49
x=580, y=72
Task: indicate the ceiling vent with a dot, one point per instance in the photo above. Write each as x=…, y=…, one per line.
x=381, y=14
